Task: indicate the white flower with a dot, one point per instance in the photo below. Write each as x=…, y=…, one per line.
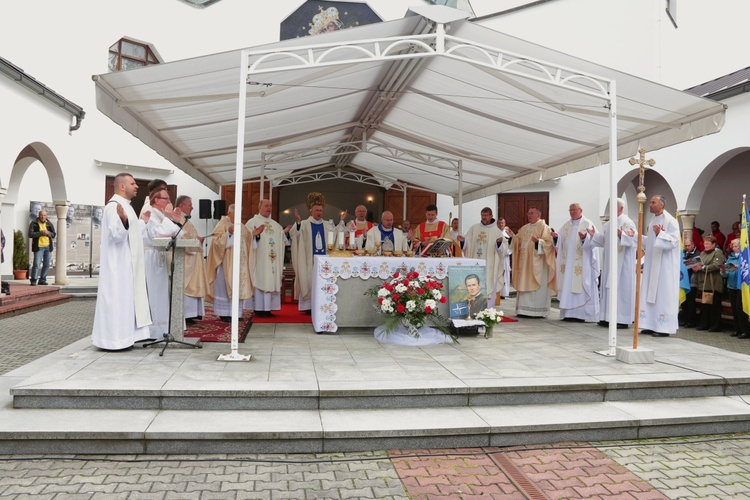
x=415, y=284
x=383, y=293
x=400, y=288
x=436, y=294
x=411, y=305
x=430, y=303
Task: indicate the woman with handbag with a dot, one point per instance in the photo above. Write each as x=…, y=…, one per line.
x=711, y=283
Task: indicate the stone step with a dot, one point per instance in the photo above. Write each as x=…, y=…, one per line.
x=328, y=431
x=95, y=394
x=26, y=298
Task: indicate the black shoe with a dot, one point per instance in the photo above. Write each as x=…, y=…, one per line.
x=735, y=334
x=43, y=283
x=574, y=320
x=702, y=328
x=189, y=321
x=714, y=329
x=743, y=336
x=690, y=325
x=659, y=334
x=603, y=323
x=622, y=326
x=308, y=312
x=226, y=319
x=33, y=283
x=647, y=332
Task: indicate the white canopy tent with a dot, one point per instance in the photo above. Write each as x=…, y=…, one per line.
x=431, y=100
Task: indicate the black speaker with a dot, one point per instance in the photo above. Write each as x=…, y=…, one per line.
x=204, y=209
x=220, y=209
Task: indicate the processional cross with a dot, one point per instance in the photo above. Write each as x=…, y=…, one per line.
x=641, y=197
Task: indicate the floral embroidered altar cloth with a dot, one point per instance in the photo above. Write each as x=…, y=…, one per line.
x=339, y=284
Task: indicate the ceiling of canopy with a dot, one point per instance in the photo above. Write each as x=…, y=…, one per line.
x=432, y=100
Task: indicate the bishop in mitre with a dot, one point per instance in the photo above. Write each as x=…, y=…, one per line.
x=486, y=241
x=269, y=243
x=309, y=238
x=219, y=283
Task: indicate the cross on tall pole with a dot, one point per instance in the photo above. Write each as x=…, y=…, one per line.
x=641, y=197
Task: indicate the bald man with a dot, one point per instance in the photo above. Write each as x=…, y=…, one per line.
x=359, y=226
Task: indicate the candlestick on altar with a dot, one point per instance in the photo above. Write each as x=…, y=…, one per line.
x=352, y=239
x=341, y=240
x=641, y=197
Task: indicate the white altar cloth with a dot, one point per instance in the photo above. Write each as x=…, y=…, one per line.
x=334, y=285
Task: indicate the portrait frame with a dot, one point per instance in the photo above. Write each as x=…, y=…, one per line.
x=458, y=295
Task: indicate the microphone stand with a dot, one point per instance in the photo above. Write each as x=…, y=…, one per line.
x=168, y=337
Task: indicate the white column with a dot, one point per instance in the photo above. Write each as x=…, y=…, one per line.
x=61, y=261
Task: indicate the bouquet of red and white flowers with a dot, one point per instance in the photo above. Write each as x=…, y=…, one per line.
x=411, y=300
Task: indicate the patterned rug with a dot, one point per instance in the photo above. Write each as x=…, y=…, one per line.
x=212, y=329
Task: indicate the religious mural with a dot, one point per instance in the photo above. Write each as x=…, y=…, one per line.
x=315, y=17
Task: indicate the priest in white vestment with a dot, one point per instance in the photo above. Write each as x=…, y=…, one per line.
x=627, y=240
x=508, y=235
x=309, y=238
x=484, y=240
x=660, y=296
x=390, y=238
x=577, y=269
x=269, y=243
x=160, y=225
x=534, y=268
x=122, y=315
x=194, y=291
x=219, y=285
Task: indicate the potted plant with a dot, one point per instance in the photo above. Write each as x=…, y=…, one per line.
x=20, y=256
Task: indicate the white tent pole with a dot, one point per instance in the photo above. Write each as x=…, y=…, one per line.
x=460, y=194
x=404, y=216
x=236, y=250
x=612, y=244
x=262, y=172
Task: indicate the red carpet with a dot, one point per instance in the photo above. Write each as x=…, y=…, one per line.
x=506, y=319
x=289, y=314
x=212, y=329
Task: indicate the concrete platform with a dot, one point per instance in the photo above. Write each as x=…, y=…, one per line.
x=535, y=381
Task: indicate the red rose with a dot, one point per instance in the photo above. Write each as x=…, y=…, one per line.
x=388, y=287
x=396, y=296
x=380, y=300
x=427, y=310
x=406, y=282
x=420, y=291
x=442, y=299
x=400, y=308
x=395, y=275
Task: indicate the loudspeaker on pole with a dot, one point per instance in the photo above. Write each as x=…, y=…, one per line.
x=204, y=209
x=220, y=209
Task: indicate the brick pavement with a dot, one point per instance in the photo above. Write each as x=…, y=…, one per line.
x=700, y=467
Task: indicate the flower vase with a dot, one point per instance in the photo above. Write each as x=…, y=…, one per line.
x=488, y=332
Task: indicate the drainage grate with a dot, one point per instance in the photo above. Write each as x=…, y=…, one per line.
x=519, y=479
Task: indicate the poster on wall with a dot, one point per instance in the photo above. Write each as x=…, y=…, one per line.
x=315, y=17
x=83, y=236
x=468, y=291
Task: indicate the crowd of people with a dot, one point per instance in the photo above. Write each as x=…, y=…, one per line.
x=539, y=262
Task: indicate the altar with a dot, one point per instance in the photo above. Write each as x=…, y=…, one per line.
x=339, y=285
